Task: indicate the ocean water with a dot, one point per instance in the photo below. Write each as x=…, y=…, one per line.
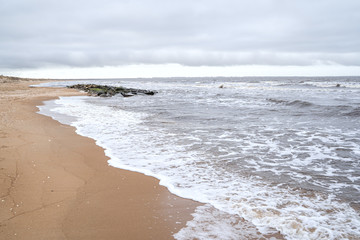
x=281, y=153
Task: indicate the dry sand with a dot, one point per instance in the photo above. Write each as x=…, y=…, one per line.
x=56, y=184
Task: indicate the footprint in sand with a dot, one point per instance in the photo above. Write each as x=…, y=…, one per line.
x=3, y=134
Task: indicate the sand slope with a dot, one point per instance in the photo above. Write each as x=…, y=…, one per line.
x=56, y=184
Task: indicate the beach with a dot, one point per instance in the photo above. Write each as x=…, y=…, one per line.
x=267, y=158
x=56, y=184
x=279, y=152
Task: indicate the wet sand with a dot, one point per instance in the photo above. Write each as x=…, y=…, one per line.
x=56, y=184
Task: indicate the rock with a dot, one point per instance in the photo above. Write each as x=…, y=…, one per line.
x=108, y=91
x=127, y=94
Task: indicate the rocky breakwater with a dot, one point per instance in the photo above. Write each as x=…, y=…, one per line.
x=109, y=91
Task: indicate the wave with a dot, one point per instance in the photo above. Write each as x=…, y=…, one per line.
x=334, y=110
x=343, y=110
x=276, y=100
x=300, y=103
x=353, y=113
x=296, y=103
x=297, y=84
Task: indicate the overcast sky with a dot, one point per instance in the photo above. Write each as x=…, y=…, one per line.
x=194, y=34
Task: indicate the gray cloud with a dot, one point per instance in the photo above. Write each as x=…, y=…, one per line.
x=38, y=33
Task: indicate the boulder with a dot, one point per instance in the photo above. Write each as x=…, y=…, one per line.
x=109, y=91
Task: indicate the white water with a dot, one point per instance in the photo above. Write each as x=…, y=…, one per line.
x=282, y=175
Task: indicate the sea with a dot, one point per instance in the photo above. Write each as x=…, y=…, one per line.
x=264, y=155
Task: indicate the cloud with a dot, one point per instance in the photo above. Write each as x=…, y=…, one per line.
x=38, y=33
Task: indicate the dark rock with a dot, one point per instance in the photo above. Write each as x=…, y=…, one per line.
x=108, y=91
x=127, y=94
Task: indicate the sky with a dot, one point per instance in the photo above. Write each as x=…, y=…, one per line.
x=161, y=38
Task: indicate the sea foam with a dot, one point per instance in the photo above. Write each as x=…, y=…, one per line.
x=281, y=175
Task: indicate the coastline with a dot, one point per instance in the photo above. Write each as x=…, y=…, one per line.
x=57, y=184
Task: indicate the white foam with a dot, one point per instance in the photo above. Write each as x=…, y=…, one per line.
x=211, y=223
x=133, y=145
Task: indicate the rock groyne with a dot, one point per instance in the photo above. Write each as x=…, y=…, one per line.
x=109, y=91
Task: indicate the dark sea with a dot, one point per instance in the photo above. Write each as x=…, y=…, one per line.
x=283, y=153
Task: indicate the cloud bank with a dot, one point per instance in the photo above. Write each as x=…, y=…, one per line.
x=47, y=33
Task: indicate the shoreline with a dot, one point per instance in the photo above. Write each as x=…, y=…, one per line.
x=58, y=184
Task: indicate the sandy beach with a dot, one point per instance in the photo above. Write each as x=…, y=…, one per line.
x=56, y=184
